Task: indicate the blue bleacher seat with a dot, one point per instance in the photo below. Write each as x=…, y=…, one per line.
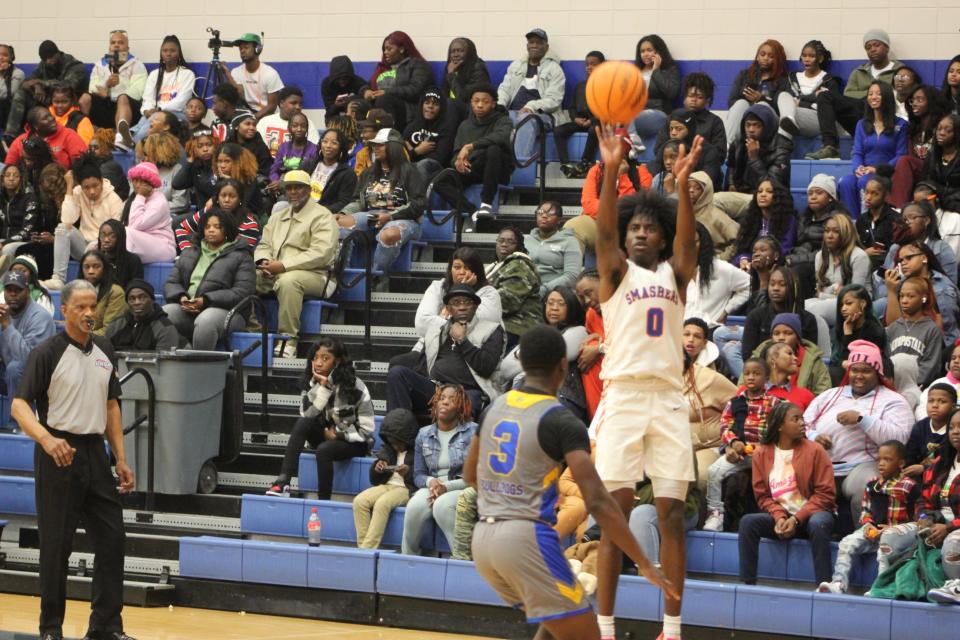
x=801, y=171
x=850, y=617
x=350, y=477
x=411, y=576
x=342, y=569
x=430, y=232
x=709, y=604
x=272, y=516
x=462, y=583
x=275, y=563
x=922, y=620
x=637, y=599
x=212, y=558
x=802, y=146
x=700, y=551
x=771, y=610
x=17, y=496
x=311, y=314
x=357, y=292
x=156, y=273
x=16, y=453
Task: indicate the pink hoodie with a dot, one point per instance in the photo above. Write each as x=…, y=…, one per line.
x=149, y=234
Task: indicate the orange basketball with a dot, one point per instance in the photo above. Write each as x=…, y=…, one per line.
x=616, y=92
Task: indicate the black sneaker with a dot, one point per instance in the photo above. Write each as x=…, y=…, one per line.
x=568, y=169
x=49, y=635
x=828, y=152
x=107, y=635
x=789, y=125
x=279, y=490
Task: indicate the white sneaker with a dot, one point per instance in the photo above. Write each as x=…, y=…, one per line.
x=285, y=350
x=831, y=587
x=714, y=522
x=949, y=593
x=123, y=139
x=485, y=212
x=53, y=284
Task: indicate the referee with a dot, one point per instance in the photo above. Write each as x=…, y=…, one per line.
x=72, y=378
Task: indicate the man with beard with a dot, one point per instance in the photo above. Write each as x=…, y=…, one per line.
x=145, y=326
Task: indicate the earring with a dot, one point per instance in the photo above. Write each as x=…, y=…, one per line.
x=924, y=300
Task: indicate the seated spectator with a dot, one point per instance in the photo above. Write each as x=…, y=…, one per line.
x=296, y=152
x=391, y=477
x=721, y=228
x=846, y=109
x=948, y=222
x=856, y=320
x=822, y=204
x=719, y=288
x=333, y=182
x=39, y=226
x=459, y=349
x=245, y=134
x=770, y=213
x=112, y=243
x=591, y=351
x=464, y=267
x=439, y=453
x=389, y=200
x=698, y=89
x=101, y=149
x=12, y=77
x=17, y=200
x=226, y=199
x=644, y=522
x=852, y=420
x=295, y=256
x=464, y=69
x=950, y=88
x=259, y=82
x=761, y=83
x=233, y=161
x=66, y=111
x=400, y=79
x=111, y=302
x=149, y=235
x=927, y=108
x=117, y=82
x=144, y=326
x=65, y=144
x=759, y=154
x=340, y=85
x=839, y=263
x=481, y=154
x=793, y=484
x=915, y=334
x=920, y=225
x=880, y=138
x=194, y=116
x=56, y=68
x=571, y=509
x=952, y=378
x=665, y=182
x=930, y=430
x=682, y=128
x=916, y=259
x=163, y=150
x=199, y=178
x=697, y=346
x=167, y=89
x=23, y=325
x=163, y=122
x=534, y=84
x=579, y=119
x=90, y=201
x=429, y=135
x=942, y=167
x=784, y=365
x=744, y=422
x=368, y=128
x=812, y=373
x=26, y=266
x=227, y=104
x=797, y=103
x=905, y=80
x=336, y=417
x=514, y=275
x=275, y=128
x=631, y=178
x=879, y=223
x=213, y=274
x=554, y=250
x=662, y=79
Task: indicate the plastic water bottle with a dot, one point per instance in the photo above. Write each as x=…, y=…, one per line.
x=313, y=528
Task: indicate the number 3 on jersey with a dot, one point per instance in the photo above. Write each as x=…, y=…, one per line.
x=507, y=435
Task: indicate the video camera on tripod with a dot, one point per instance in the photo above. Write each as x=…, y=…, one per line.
x=215, y=42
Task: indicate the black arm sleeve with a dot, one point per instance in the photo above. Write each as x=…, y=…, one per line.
x=561, y=432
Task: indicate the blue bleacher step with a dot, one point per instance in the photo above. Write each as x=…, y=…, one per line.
x=16, y=452
x=17, y=496
x=350, y=477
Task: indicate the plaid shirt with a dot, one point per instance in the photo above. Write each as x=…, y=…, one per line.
x=888, y=501
x=935, y=495
x=756, y=421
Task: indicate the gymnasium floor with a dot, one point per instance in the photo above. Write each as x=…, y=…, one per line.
x=18, y=621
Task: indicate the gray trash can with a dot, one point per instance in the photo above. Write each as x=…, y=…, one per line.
x=189, y=394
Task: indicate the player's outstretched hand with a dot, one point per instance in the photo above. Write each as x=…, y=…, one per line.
x=611, y=146
x=655, y=576
x=687, y=160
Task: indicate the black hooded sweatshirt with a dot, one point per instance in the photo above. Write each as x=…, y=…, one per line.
x=402, y=425
x=126, y=266
x=774, y=159
x=150, y=334
x=341, y=80
x=442, y=130
x=711, y=158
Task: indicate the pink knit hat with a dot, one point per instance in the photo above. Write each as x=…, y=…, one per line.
x=864, y=351
x=146, y=171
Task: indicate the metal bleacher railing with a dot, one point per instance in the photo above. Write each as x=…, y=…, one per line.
x=540, y=156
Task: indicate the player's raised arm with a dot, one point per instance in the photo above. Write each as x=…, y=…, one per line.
x=609, y=516
x=610, y=261
x=685, y=252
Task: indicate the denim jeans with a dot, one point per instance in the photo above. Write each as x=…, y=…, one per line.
x=856, y=544
x=527, y=140
x=728, y=340
x=760, y=525
x=419, y=511
x=718, y=471
x=384, y=256
x=645, y=528
x=139, y=130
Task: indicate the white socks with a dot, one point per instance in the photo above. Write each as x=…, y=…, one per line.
x=606, y=627
x=671, y=627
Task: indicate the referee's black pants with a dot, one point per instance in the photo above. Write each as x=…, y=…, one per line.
x=86, y=489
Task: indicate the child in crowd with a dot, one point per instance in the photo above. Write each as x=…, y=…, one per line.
x=760, y=83
x=783, y=365
x=391, y=476
x=951, y=378
x=743, y=421
x=195, y=112
x=923, y=445
x=295, y=153
x=888, y=500
x=664, y=182
x=878, y=222
x=915, y=333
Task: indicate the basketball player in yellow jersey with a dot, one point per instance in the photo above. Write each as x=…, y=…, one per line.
x=641, y=424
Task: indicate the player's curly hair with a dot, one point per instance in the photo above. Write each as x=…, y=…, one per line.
x=464, y=408
x=653, y=206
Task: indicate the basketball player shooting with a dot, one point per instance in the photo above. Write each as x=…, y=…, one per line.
x=641, y=423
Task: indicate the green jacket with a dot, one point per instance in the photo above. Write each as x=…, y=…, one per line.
x=813, y=374
x=516, y=279
x=911, y=578
x=861, y=78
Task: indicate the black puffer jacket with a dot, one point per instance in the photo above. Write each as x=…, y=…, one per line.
x=774, y=160
x=413, y=76
x=14, y=212
x=150, y=334
x=401, y=425
x=342, y=80
x=946, y=177
x=230, y=278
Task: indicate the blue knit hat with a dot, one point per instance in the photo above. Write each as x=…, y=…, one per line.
x=792, y=320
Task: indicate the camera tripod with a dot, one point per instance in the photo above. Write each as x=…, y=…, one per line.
x=215, y=75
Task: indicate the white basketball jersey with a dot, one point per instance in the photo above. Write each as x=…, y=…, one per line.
x=643, y=327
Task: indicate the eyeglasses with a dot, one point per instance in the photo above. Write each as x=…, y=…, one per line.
x=903, y=77
x=910, y=219
x=903, y=259
x=546, y=212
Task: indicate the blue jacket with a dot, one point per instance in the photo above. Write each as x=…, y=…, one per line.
x=426, y=452
x=870, y=149
x=26, y=331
